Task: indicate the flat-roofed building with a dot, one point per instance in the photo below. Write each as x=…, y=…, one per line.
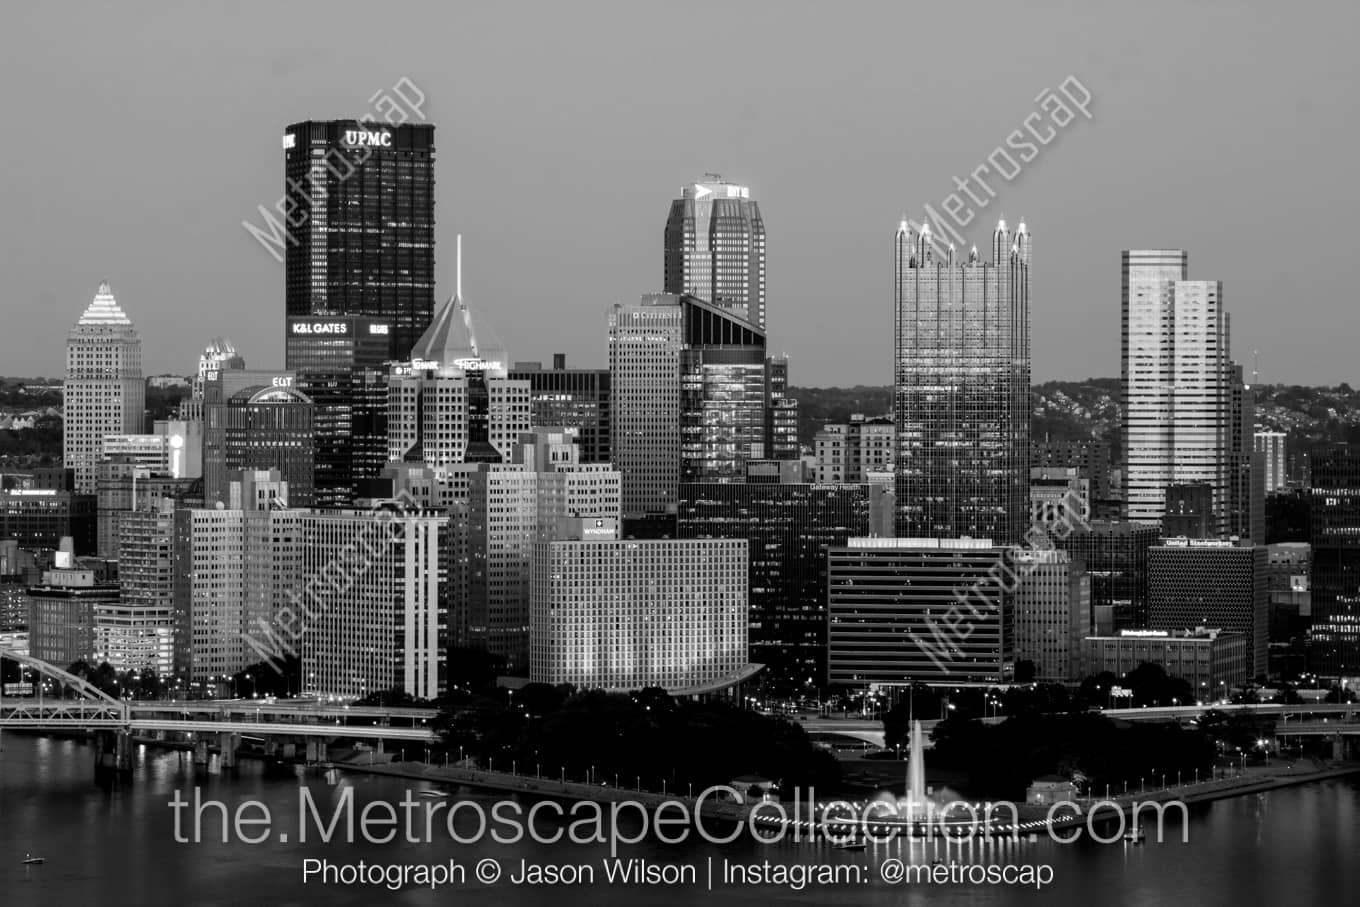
x=1052, y=614
x=1212, y=661
x=623, y=614
x=1213, y=583
x=902, y=610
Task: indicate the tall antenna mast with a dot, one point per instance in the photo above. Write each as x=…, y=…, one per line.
x=458, y=270
x=1255, y=367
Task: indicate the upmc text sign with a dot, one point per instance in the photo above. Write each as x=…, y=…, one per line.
x=367, y=138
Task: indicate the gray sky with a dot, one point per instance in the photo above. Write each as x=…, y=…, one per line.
x=141, y=135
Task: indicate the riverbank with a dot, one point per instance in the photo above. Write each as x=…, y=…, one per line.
x=535, y=786
x=1008, y=818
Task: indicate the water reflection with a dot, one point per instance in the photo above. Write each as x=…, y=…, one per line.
x=116, y=846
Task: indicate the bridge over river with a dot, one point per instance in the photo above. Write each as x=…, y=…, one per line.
x=60, y=701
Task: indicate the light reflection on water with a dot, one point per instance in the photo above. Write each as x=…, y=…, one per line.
x=1295, y=846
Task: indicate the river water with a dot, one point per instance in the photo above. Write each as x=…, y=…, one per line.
x=1290, y=847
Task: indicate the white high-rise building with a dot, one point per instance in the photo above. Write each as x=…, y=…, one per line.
x=453, y=404
x=1181, y=388
x=645, y=342
x=368, y=597
x=104, y=393
x=138, y=633
x=1271, y=445
x=622, y=615
x=232, y=563
x=510, y=507
x=715, y=247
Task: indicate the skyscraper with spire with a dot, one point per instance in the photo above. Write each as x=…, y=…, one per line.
x=104, y=392
x=961, y=388
x=715, y=247
x=454, y=403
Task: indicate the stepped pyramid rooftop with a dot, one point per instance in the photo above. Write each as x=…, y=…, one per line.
x=104, y=311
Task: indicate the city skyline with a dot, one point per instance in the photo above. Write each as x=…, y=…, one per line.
x=802, y=581
x=826, y=209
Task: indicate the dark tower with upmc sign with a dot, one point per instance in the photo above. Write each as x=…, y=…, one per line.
x=360, y=220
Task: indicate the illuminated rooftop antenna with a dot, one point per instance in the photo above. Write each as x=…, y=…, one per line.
x=1255, y=367
x=458, y=270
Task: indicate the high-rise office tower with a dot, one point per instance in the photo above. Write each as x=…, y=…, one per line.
x=509, y=507
x=1271, y=444
x=781, y=412
x=265, y=424
x=385, y=627
x=1211, y=583
x=140, y=631
x=454, y=404
x=715, y=247
x=725, y=388
x=1334, y=514
x=570, y=398
x=231, y=561
x=340, y=365
x=1246, y=466
x=1052, y=614
x=691, y=398
x=1116, y=558
x=645, y=341
x=961, y=381
x=104, y=393
x=360, y=235
x=1182, y=393
x=789, y=525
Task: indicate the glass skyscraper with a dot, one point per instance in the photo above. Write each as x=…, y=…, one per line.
x=693, y=398
x=961, y=379
x=360, y=197
x=790, y=526
x=1334, y=514
x=715, y=247
x=340, y=366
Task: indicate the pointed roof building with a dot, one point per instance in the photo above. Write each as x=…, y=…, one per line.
x=459, y=337
x=103, y=311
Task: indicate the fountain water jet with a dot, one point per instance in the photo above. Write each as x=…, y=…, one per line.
x=916, y=773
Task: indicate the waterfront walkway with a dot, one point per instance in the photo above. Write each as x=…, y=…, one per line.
x=1032, y=818
x=539, y=786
